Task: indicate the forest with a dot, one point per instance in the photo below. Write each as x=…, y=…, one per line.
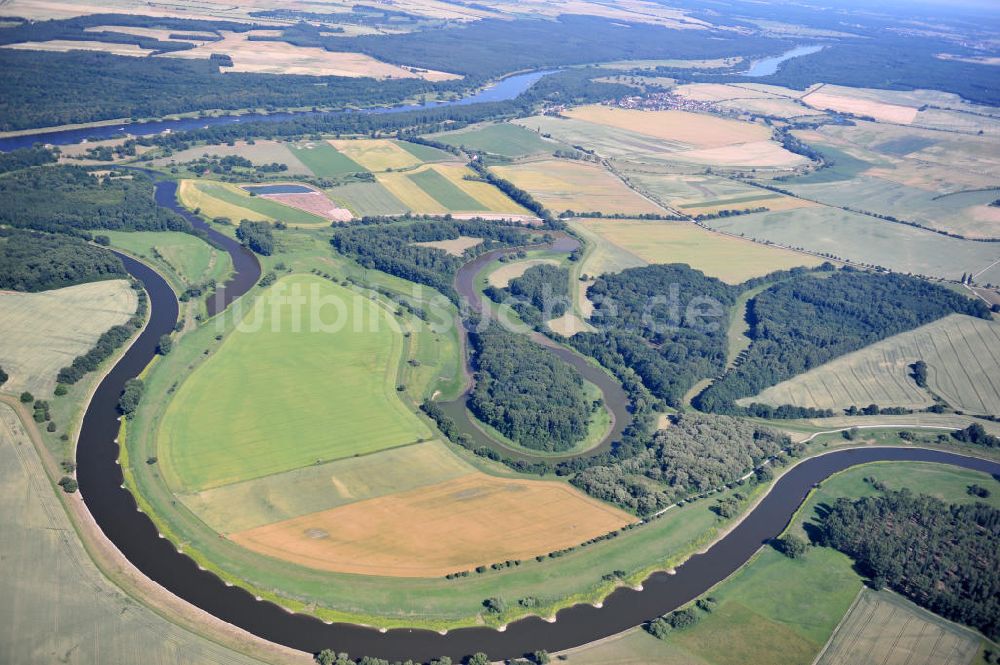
x=696, y=453
x=257, y=236
x=799, y=324
x=70, y=199
x=33, y=261
x=944, y=557
x=15, y=160
x=386, y=244
x=540, y=294
x=527, y=393
x=667, y=323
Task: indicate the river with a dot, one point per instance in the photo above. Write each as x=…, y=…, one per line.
x=502, y=90
x=769, y=66
x=115, y=512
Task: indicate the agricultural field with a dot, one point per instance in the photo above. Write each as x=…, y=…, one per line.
x=43, y=332
x=367, y=198
x=743, y=98
x=579, y=186
x=881, y=111
x=65, y=45
x=456, y=247
x=274, y=57
x=378, y=155
x=863, y=239
x=259, y=152
x=442, y=188
x=184, y=258
x=885, y=629
x=323, y=160
x=500, y=139
x=701, y=194
x=442, y=528
x=58, y=606
x=733, y=260
x=963, y=362
x=227, y=420
x=218, y=199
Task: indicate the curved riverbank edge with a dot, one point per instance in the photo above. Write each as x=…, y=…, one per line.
x=115, y=511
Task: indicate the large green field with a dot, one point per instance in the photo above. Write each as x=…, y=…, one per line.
x=283, y=392
x=324, y=160
x=367, y=198
x=444, y=191
x=500, y=139
x=185, y=259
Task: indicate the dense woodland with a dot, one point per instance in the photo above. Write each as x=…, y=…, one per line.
x=16, y=160
x=799, y=324
x=527, y=393
x=695, y=454
x=70, y=199
x=943, y=557
x=386, y=244
x=667, y=323
x=540, y=294
x=257, y=236
x=33, y=261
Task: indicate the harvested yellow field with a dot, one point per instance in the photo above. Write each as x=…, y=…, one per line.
x=764, y=154
x=454, y=247
x=503, y=275
x=65, y=45
x=376, y=154
x=447, y=527
x=410, y=194
x=491, y=198
x=693, y=129
x=601, y=257
x=733, y=260
x=44, y=332
x=583, y=187
x=266, y=57
x=903, y=115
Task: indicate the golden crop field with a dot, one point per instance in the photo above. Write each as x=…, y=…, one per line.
x=44, y=332
x=447, y=527
x=963, y=358
x=442, y=188
x=580, y=186
x=697, y=130
x=733, y=260
x=454, y=247
x=376, y=154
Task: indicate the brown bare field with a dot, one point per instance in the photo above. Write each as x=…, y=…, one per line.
x=431, y=531
x=313, y=202
x=584, y=187
x=65, y=45
x=503, y=275
x=903, y=115
x=733, y=260
x=264, y=57
x=696, y=130
x=454, y=247
x=44, y=332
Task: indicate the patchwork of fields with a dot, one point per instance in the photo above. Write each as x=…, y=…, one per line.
x=963, y=358
x=444, y=188
x=218, y=199
x=43, y=332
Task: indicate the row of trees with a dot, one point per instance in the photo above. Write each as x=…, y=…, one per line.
x=695, y=454
x=106, y=344
x=945, y=557
x=34, y=261
x=527, y=393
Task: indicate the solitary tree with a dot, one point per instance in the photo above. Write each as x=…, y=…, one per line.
x=27, y=398
x=791, y=546
x=164, y=345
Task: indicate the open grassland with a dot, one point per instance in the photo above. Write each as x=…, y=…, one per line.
x=579, y=186
x=867, y=240
x=260, y=152
x=254, y=408
x=780, y=611
x=442, y=528
x=58, y=607
x=696, y=194
x=454, y=247
x=442, y=188
x=733, y=260
x=275, y=57
x=963, y=358
x=315, y=488
x=43, y=332
x=325, y=161
x=500, y=139
x=186, y=259
x=885, y=629
x=64, y=45
x=367, y=198
x=219, y=199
